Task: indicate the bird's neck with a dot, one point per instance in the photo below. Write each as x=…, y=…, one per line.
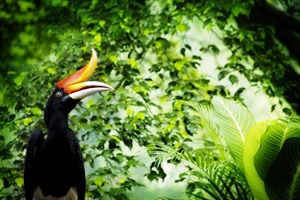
x=58, y=125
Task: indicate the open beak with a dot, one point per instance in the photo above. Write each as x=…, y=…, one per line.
x=77, y=86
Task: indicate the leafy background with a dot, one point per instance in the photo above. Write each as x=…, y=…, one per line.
x=145, y=139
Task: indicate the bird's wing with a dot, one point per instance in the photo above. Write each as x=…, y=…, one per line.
x=35, y=141
x=79, y=171
x=81, y=175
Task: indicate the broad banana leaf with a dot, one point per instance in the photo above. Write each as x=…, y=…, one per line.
x=272, y=160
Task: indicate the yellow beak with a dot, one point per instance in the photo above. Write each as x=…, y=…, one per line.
x=75, y=84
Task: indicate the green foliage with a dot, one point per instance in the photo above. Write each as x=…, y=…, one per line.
x=233, y=121
x=250, y=148
x=146, y=52
x=210, y=179
x=226, y=123
x=227, y=120
x=108, y=123
x=271, y=158
x=267, y=153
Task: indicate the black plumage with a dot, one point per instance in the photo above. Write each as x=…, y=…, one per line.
x=53, y=165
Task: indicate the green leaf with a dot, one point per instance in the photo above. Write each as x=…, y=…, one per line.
x=270, y=143
x=179, y=64
x=252, y=144
x=188, y=47
x=102, y=23
x=19, y=181
x=99, y=181
x=205, y=114
x=222, y=74
x=239, y=10
x=6, y=134
x=90, y=103
x=213, y=48
x=27, y=121
x=283, y=179
x=97, y=38
x=287, y=111
x=181, y=28
x=233, y=79
x=51, y=71
x=182, y=51
x=272, y=160
x=36, y=111
x=113, y=58
x=19, y=79
x=133, y=63
x=1, y=184
x=234, y=121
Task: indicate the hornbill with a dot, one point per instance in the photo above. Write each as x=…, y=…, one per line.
x=53, y=165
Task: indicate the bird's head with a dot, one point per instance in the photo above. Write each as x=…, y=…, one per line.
x=72, y=89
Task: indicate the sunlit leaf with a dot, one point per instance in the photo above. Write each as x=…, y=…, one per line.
x=233, y=121
x=252, y=144
x=179, y=64
x=19, y=79
x=36, y=111
x=27, y=121
x=113, y=58
x=206, y=118
x=181, y=28
x=272, y=160
x=148, y=50
x=19, y=181
x=97, y=38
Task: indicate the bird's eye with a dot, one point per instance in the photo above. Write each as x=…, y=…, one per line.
x=58, y=94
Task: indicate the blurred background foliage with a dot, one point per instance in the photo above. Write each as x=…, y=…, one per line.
x=157, y=55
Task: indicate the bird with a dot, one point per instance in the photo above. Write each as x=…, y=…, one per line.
x=53, y=166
